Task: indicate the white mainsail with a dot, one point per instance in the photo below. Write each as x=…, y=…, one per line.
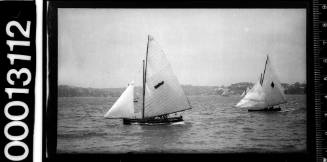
x=272, y=87
x=267, y=92
x=124, y=106
x=163, y=93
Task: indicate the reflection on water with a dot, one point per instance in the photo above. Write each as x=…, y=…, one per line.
x=213, y=125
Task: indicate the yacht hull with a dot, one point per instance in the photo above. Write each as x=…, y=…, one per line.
x=153, y=121
x=266, y=109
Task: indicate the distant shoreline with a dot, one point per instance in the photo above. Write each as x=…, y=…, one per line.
x=233, y=90
x=186, y=95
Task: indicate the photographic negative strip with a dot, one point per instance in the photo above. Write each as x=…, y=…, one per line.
x=183, y=80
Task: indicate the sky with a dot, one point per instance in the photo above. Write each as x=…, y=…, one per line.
x=104, y=48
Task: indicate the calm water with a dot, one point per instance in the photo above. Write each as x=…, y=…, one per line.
x=213, y=125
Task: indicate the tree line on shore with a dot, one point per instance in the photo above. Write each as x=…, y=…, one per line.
x=233, y=89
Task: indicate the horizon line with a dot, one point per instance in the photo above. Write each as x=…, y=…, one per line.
x=181, y=85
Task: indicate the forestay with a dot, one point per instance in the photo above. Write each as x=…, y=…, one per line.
x=163, y=95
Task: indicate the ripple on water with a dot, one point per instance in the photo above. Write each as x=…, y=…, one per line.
x=212, y=125
x=248, y=130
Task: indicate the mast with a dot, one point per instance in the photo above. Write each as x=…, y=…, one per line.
x=263, y=76
x=143, y=90
x=144, y=75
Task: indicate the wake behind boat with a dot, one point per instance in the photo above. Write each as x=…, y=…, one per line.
x=265, y=94
x=162, y=93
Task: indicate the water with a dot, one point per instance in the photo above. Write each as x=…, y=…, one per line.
x=212, y=126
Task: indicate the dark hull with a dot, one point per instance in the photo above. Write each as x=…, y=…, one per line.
x=151, y=121
x=266, y=109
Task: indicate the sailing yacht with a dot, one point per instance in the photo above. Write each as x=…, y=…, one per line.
x=162, y=93
x=245, y=92
x=266, y=93
x=226, y=92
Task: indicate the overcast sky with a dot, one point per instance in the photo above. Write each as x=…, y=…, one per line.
x=104, y=48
